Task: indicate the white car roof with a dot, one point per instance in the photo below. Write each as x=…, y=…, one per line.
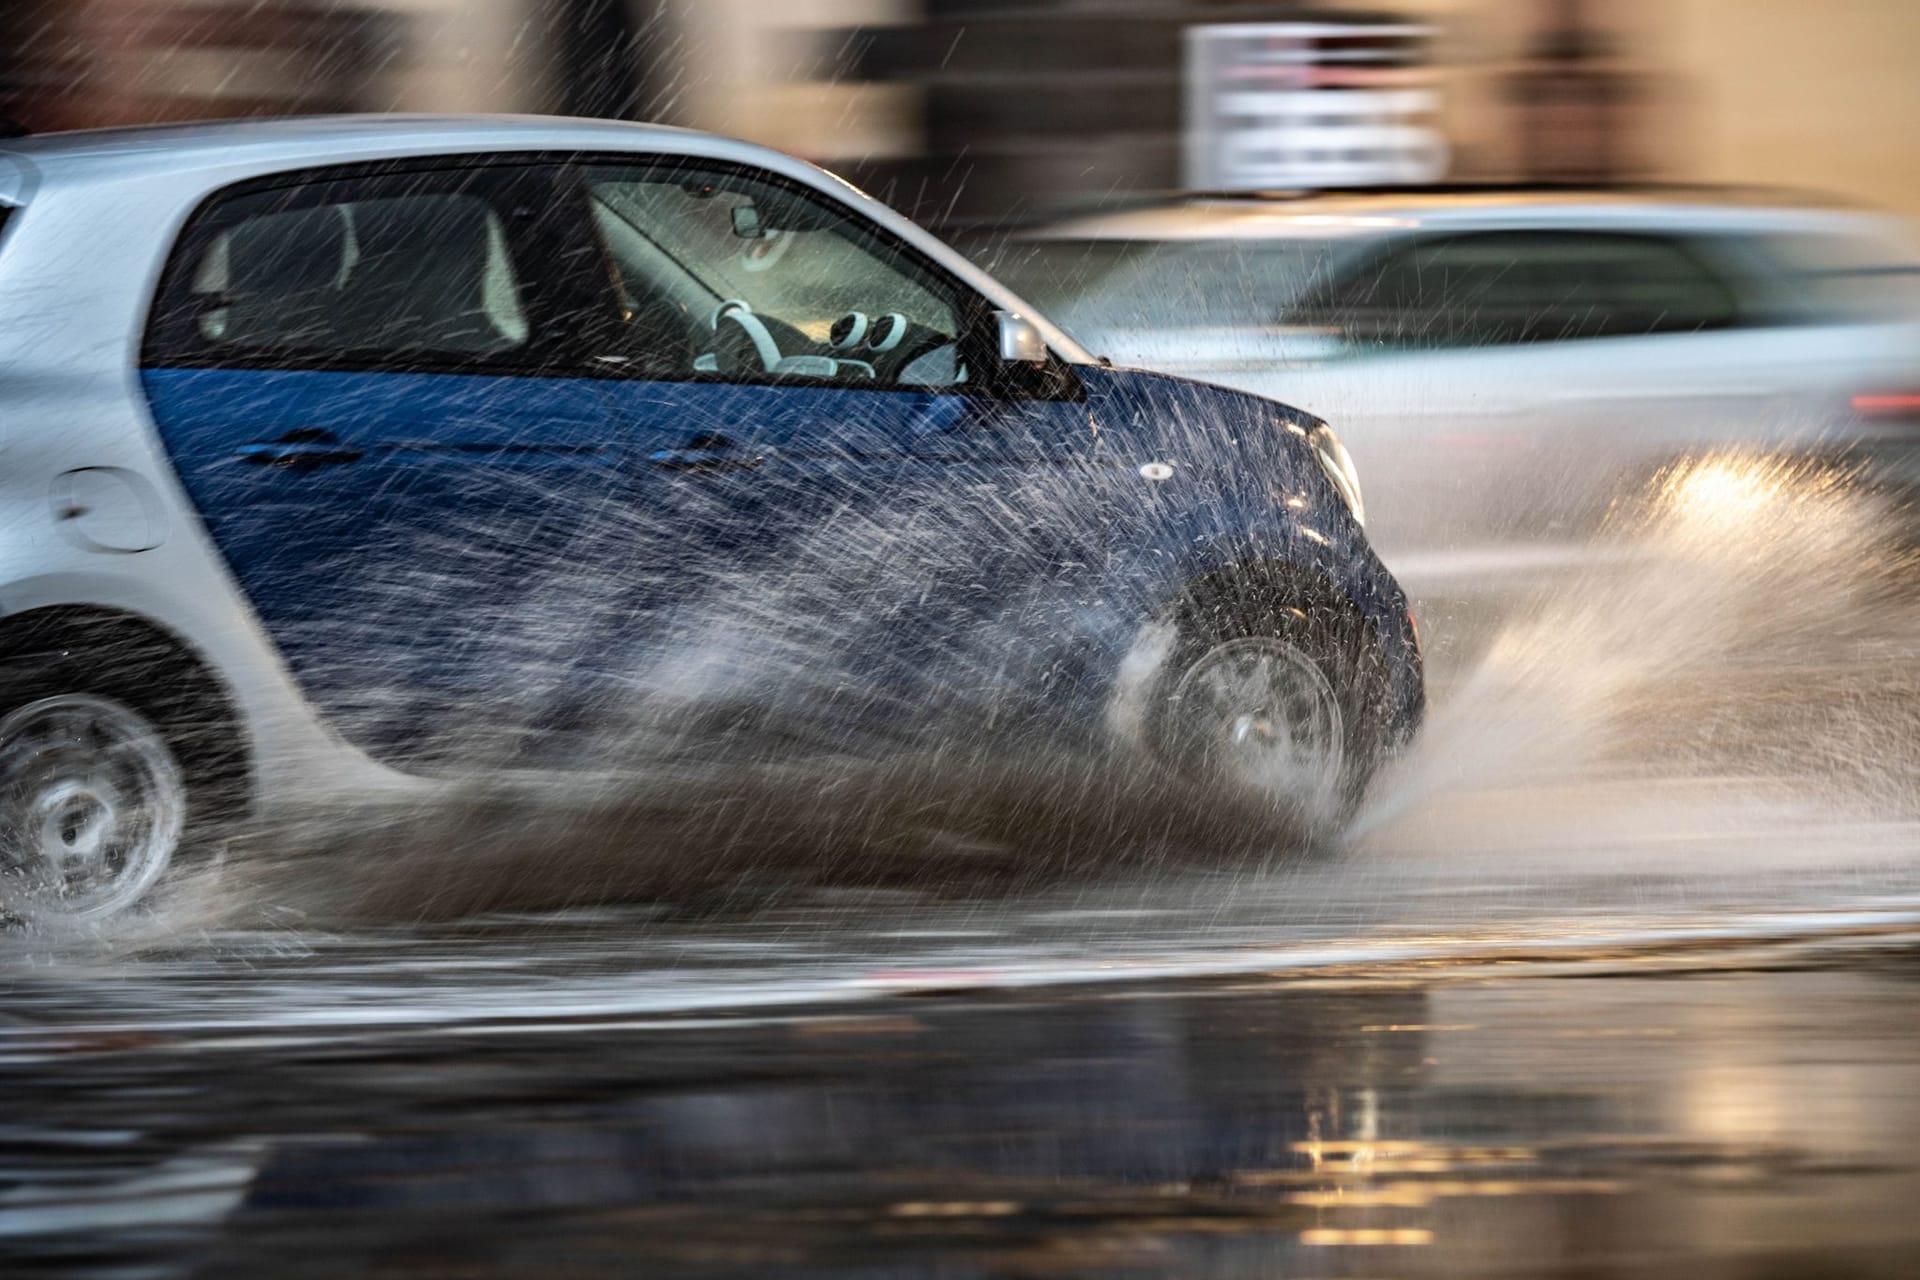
x=304, y=137
x=212, y=154
x=1360, y=216
x=267, y=145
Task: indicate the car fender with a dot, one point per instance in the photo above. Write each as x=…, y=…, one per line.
x=1199, y=479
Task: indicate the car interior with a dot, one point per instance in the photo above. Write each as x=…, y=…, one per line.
x=749, y=285
x=711, y=283
x=423, y=273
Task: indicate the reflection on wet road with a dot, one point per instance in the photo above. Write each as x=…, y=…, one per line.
x=1604, y=1117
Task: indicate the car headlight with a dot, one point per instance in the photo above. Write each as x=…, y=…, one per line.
x=1338, y=464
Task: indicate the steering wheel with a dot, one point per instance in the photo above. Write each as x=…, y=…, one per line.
x=741, y=338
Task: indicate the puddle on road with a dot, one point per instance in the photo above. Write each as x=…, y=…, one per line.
x=1627, y=1126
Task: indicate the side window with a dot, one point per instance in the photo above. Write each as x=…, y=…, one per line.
x=745, y=278
x=413, y=270
x=1503, y=288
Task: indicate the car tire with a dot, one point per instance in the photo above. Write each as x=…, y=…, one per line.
x=1284, y=699
x=107, y=784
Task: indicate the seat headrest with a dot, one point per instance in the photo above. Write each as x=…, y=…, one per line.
x=429, y=231
x=282, y=253
x=420, y=278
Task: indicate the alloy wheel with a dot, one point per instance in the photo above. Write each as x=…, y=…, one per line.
x=92, y=805
x=1262, y=713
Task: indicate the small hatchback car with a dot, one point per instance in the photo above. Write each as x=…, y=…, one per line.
x=315, y=434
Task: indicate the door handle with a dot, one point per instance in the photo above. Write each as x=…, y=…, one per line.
x=706, y=454
x=306, y=449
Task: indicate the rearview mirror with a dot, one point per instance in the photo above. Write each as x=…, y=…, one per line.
x=1020, y=340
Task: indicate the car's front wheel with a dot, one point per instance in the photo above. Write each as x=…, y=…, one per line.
x=1276, y=698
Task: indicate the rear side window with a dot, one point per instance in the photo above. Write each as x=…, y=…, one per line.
x=419, y=270
x=1504, y=288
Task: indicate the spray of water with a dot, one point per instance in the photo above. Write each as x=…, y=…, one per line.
x=1733, y=668
x=878, y=704
x=1732, y=673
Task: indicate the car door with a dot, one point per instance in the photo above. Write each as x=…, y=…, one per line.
x=841, y=472
x=368, y=384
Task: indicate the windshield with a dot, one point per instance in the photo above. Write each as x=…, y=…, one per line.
x=1095, y=286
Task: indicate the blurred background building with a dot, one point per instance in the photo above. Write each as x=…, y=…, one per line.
x=998, y=111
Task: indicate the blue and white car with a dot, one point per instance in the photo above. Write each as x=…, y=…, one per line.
x=324, y=440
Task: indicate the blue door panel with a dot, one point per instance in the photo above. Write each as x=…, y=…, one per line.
x=445, y=557
x=403, y=537
x=896, y=539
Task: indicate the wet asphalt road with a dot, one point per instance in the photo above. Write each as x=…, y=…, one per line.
x=1726, y=1109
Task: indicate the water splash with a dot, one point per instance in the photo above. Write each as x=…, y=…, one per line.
x=1727, y=686
x=1733, y=669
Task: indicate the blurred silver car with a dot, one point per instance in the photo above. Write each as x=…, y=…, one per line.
x=1501, y=365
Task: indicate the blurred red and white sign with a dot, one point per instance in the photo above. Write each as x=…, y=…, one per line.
x=1303, y=105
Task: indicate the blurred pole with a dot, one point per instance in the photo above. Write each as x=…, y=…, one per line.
x=13, y=65
x=41, y=70
x=1576, y=102
x=611, y=59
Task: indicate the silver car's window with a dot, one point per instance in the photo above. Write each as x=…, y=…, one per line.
x=1500, y=288
x=729, y=275
x=427, y=272
x=1097, y=286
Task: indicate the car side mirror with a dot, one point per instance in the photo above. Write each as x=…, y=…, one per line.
x=1020, y=340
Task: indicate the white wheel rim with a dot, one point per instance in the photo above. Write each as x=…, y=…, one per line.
x=1264, y=714
x=92, y=805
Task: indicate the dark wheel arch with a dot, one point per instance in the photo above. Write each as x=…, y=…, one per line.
x=147, y=666
x=1263, y=580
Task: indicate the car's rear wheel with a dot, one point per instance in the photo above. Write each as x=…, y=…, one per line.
x=93, y=804
x=120, y=760
x=1276, y=698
